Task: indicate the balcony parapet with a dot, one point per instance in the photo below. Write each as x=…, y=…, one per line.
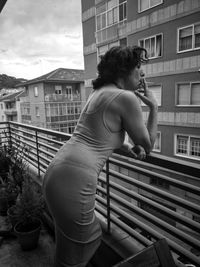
x=11, y=111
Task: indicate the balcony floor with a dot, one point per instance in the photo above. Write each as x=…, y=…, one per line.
x=12, y=255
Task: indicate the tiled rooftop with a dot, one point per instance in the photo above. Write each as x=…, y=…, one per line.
x=61, y=74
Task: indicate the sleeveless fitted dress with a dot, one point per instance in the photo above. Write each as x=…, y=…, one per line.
x=71, y=179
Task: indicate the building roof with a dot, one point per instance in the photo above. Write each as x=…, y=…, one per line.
x=10, y=97
x=58, y=75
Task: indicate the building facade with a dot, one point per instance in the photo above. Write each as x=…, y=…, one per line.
x=170, y=31
x=54, y=100
x=10, y=106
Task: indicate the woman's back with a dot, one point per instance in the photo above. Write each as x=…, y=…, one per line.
x=95, y=128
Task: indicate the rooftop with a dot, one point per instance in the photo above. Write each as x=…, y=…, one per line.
x=58, y=75
x=10, y=96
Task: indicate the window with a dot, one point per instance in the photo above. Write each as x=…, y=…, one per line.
x=157, y=145
x=58, y=89
x=35, y=91
x=37, y=111
x=188, y=94
x=153, y=45
x=157, y=92
x=1, y=106
x=189, y=38
x=146, y=4
x=69, y=92
x=109, y=13
x=188, y=146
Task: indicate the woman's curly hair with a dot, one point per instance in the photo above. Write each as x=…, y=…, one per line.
x=118, y=62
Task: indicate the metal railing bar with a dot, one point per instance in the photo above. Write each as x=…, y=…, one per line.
x=46, y=152
x=177, y=200
x=14, y=130
x=160, y=223
x=21, y=141
x=48, y=146
x=41, y=130
x=45, y=159
x=132, y=219
x=51, y=140
x=28, y=154
x=24, y=137
x=144, y=241
x=172, y=214
x=185, y=186
x=155, y=234
x=148, y=165
x=173, y=245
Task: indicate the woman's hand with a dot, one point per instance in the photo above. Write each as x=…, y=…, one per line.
x=146, y=95
x=136, y=151
x=139, y=152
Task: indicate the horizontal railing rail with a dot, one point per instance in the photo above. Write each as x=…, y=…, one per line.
x=149, y=200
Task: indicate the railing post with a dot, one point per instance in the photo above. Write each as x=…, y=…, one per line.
x=108, y=195
x=37, y=151
x=9, y=136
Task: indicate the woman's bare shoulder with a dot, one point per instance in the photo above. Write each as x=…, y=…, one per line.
x=128, y=98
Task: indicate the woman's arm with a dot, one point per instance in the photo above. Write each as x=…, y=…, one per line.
x=132, y=118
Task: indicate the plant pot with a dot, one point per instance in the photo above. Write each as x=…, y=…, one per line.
x=12, y=216
x=28, y=235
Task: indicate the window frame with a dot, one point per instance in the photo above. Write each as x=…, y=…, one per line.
x=188, y=156
x=69, y=89
x=58, y=90
x=193, y=39
x=140, y=11
x=37, y=111
x=36, y=92
x=176, y=93
x=106, y=16
x=149, y=37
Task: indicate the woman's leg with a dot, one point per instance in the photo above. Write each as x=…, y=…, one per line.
x=71, y=253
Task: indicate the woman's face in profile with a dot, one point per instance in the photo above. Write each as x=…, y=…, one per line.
x=133, y=79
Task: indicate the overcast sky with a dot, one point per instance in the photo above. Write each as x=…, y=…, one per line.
x=39, y=36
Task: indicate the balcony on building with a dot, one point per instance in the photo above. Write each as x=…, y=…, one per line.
x=62, y=97
x=137, y=202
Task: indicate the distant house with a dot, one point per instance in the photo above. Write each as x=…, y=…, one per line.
x=10, y=106
x=54, y=100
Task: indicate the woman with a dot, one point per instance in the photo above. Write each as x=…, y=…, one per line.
x=70, y=182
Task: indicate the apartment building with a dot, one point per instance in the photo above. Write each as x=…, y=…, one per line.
x=170, y=31
x=10, y=106
x=54, y=100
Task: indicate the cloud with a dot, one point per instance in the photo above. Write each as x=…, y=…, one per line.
x=45, y=30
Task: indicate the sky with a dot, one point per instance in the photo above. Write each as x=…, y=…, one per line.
x=39, y=36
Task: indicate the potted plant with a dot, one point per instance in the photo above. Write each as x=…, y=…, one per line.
x=13, y=168
x=28, y=212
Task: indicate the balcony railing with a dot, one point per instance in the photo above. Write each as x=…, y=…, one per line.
x=127, y=196
x=62, y=97
x=10, y=111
